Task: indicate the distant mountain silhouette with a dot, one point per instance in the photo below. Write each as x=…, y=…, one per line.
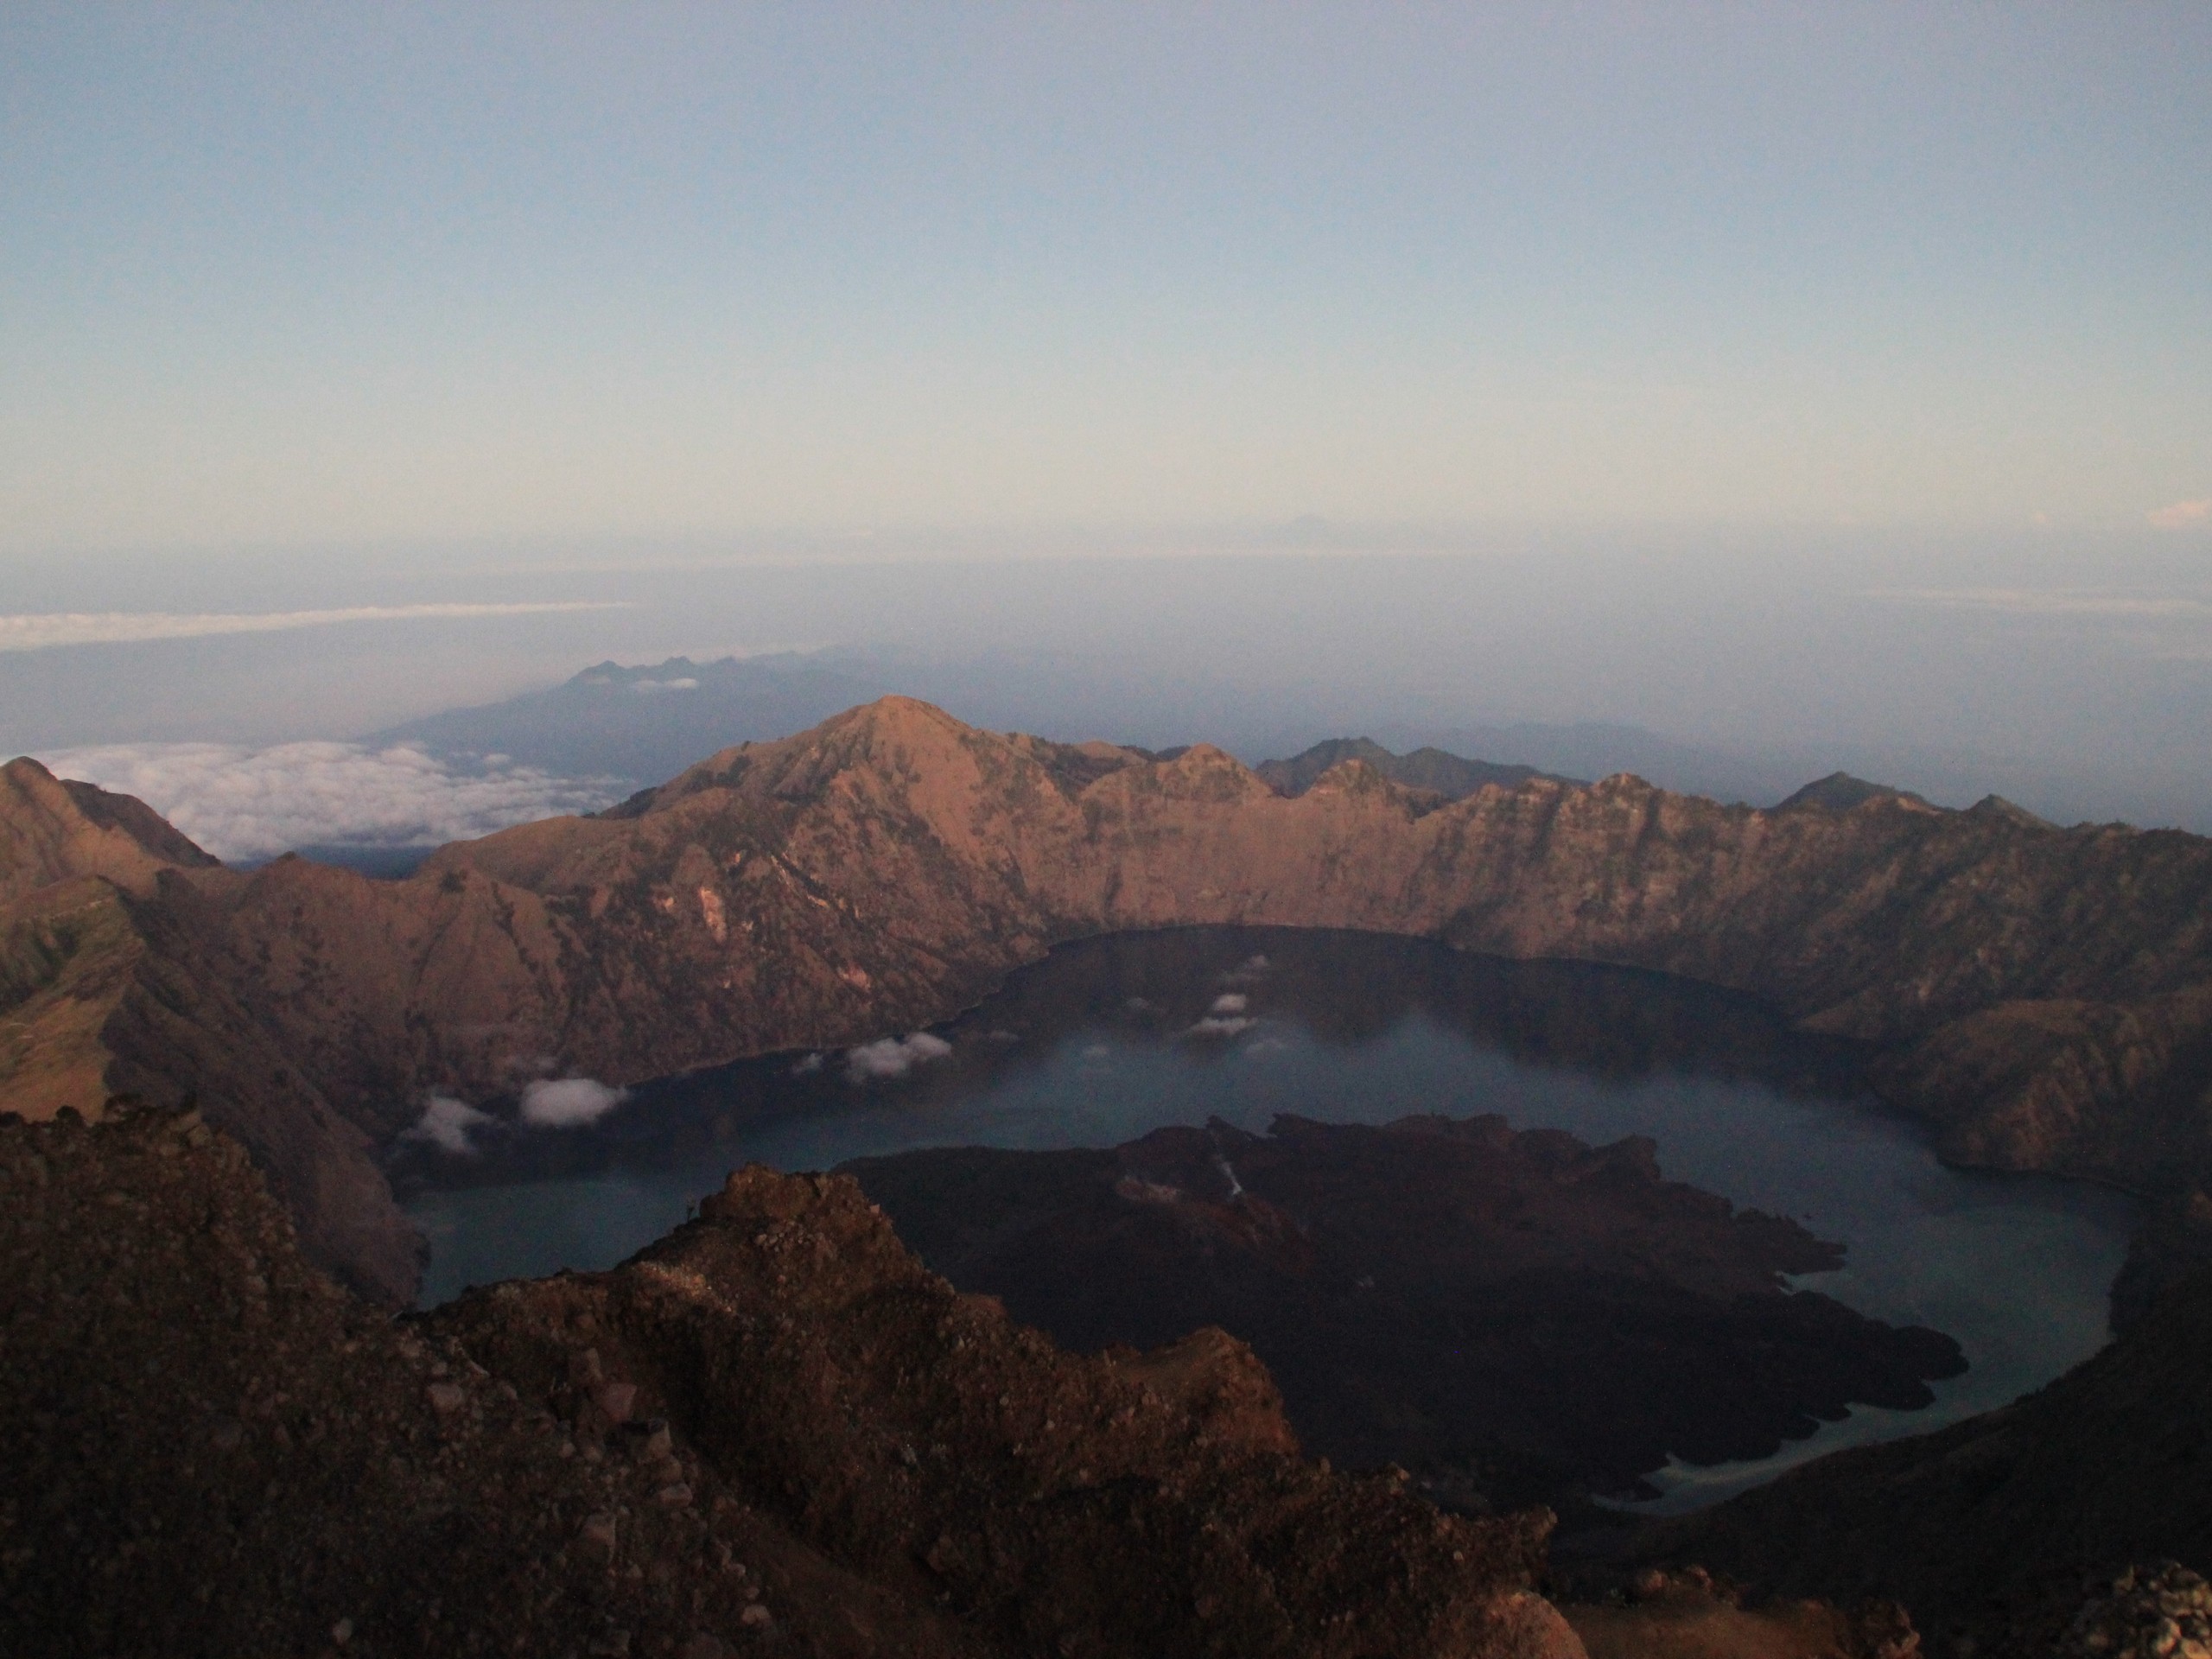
x=646, y=724
x=1449, y=775
x=1840, y=792
x=1996, y=806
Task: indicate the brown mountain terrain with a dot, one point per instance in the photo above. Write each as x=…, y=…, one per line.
x=2044, y=996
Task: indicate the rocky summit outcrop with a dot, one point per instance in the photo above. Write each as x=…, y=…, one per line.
x=2042, y=994
x=2158, y=1611
x=1515, y=1317
x=772, y=1431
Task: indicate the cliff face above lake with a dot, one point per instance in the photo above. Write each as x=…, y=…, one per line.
x=2045, y=996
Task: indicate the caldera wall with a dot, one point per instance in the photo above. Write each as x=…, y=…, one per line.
x=2043, y=994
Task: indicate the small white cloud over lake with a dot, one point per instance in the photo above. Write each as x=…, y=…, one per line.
x=893, y=1056
x=1215, y=1025
x=569, y=1102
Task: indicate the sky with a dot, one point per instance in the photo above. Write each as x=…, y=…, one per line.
x=1808, y=381
x=335, y=275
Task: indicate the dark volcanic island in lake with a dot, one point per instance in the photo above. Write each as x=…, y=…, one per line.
x=1514, y=1315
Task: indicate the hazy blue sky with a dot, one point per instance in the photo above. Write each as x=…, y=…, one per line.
x=1830, y=383
x=289, y=274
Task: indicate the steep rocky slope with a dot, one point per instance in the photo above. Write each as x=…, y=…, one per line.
x=118, y=973
x=2042, y=992
x=773, y=1431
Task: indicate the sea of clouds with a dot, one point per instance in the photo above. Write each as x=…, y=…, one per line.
x=245, y=804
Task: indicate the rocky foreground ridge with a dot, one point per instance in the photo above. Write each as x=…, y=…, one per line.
x=2043, y=996
x=774, y=1431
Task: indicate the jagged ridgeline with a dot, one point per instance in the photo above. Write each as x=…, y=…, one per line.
x=2042, y=997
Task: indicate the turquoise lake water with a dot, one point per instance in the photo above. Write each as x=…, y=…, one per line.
x=1111, y=1039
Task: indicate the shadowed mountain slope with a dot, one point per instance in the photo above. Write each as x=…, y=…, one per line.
x=1993, y=1526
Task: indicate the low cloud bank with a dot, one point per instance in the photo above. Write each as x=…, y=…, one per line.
x=2181, y=515
x=2035, y=602
x=39, y=630
x=569, y=1102
x=246, y=803
x=893, y=1056
x=1215, y=1024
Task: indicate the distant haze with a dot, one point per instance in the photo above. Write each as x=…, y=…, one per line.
x=1959, y=670
x=1730, y=393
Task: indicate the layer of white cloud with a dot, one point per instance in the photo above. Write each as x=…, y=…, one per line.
x=1232, y=1002
x=2030, y=601
x=2181, y=515
x=37, y=630
x=447, y=1124
x=1215, y=1025
x=686, y=684
x=893, y=1056
x=245, y=804
x=569, y=1102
